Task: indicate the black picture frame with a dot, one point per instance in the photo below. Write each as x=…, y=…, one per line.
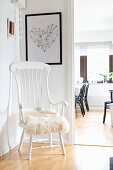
x=43, y=36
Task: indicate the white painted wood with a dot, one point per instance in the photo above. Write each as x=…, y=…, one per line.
x=1, y=134
x=29, y=65
x=43, y=147
x=50, y=139
x=18, y=3
x=32, y=79
x=70, y=66
x=30, y=147
x=30, y=85
x=21, y=140
x=62, y=144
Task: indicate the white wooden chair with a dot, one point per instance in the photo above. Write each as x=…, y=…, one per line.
x=36, y=110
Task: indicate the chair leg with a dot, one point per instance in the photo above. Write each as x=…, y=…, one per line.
x=62, y=144
x=30, y=147
x=104, y=117
x=82, y=108
x=50, y=139
x=86, y=104
x=75, y=109
x=21, y=140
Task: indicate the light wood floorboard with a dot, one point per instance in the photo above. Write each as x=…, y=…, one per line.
x=90, y=130
x=77, y=158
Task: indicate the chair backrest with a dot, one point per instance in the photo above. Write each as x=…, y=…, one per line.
x=82, y=91
x=86, y=92
x=32, y=83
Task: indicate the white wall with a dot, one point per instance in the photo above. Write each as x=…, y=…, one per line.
x=57, y=76
x=61, y=76
x=94, y=36
x=8, y=54
x=98, y=93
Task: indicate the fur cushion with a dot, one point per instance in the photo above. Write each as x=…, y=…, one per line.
x=44, y=122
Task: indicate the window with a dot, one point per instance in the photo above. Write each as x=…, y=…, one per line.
x=95, y=61
x=98, y=63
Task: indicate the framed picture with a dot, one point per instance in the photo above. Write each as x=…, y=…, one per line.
x=44, y=37
x=10, y=28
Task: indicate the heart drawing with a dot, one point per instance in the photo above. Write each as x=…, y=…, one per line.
x=44, y=38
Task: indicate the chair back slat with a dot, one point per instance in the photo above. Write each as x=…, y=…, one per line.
x=32, y=84
x=82, y=91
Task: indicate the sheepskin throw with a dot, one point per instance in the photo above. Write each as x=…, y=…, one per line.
x=44, y=122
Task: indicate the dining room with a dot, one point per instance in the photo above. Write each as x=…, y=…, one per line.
x=93, y=65
x=90, y=127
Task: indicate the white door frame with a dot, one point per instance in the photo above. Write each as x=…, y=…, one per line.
x=70, y=72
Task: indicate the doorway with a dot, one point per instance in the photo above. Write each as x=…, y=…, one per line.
x=92, y=30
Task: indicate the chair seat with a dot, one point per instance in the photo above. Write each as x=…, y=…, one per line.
x=107, y=105
x=77, y=97
x=44, y=122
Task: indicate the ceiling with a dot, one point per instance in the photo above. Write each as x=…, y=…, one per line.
x=93, y=15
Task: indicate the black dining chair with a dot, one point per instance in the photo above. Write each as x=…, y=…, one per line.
x=85, y=97
x=79, y=99
x=107, y=105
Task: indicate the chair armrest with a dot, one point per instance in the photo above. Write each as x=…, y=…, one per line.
x=60, y=106
x=64, y=103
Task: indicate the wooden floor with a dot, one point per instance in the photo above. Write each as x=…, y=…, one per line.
x=79, y=157
x=90, y=130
